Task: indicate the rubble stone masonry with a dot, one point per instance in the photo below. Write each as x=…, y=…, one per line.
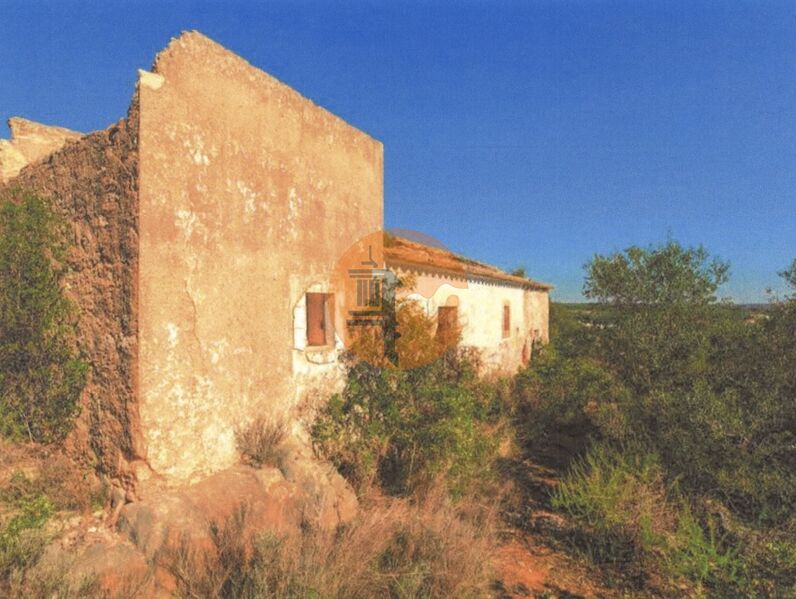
x=93, y=182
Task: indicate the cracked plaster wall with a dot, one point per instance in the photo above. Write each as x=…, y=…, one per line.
x=248, y=194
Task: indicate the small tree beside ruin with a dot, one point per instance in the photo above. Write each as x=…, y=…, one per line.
x=41, y=373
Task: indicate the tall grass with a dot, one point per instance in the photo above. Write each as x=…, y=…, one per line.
x=260, y=442
x=629, y=517
x=396, y=548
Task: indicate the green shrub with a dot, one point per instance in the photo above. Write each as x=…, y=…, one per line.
x=627, y=515
x=619, y=502
x=571, y=328
x=575, y=396
x=701, y=555
x=406, y=428
x=41, y=375
x=22, y=539
x=713, y=395
x=717, y=444
x=662, y=299
x=659, y=366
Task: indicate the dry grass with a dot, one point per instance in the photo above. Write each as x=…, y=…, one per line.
x=395, y=548
x=55, y=584
x=261, y=441
x=55, y=476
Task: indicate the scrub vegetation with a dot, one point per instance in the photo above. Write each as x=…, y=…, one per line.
x=680, y=416
x=41, y=373
x=663, y=419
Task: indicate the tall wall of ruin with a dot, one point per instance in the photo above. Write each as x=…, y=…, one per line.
x=93, y=183
x=29, y=143
x=249, y=193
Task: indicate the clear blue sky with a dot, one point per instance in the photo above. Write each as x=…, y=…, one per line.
x=537, y=133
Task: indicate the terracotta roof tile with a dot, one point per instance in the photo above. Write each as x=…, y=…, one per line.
x=399, y=251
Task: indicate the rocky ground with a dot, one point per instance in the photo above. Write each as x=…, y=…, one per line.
x=96, y=536
x=115, y=545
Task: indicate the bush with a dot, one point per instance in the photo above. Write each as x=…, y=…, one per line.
x=718, y=445
x=658, y=370
x=22, y=539
x=717, y=442
x=713, y=395
x=626, y=515
x=701, y=554
x=572, y=396
x=41, y=374
x=663, y=302
x=406, y=428
x=261, y=441
x=571, y=328
x=619, y=501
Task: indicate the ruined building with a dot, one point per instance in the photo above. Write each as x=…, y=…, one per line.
x=206, y=225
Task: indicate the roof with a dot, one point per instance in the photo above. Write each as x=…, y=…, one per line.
x=410, y=254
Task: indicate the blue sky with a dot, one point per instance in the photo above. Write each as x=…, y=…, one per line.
x=535, y=133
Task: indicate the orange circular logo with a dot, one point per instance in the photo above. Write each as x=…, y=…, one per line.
x=396, y=302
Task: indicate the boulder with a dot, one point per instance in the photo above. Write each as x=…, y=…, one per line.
x=308, y=493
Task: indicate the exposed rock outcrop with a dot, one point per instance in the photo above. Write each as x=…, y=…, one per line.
x=134, y=556
x=308, y=493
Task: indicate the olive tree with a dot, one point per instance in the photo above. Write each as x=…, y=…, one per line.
x=663, y=299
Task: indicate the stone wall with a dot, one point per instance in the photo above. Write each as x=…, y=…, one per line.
x=249, y=193
x=200, y=221
x=29, y=143
x=93, y=183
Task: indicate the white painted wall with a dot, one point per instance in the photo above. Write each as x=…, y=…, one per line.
x=481, y=316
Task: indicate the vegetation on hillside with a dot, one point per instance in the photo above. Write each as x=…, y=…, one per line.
x=406, y=429
x=681, y=421
x=396, y=548
x=41, y=377
x=668, y=416
x=39, y=487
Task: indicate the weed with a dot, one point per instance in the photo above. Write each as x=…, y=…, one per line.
x=261, y=441
x=22, y=538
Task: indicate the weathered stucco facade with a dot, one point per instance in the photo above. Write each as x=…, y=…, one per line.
x=248, y=193
x=207, y=226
